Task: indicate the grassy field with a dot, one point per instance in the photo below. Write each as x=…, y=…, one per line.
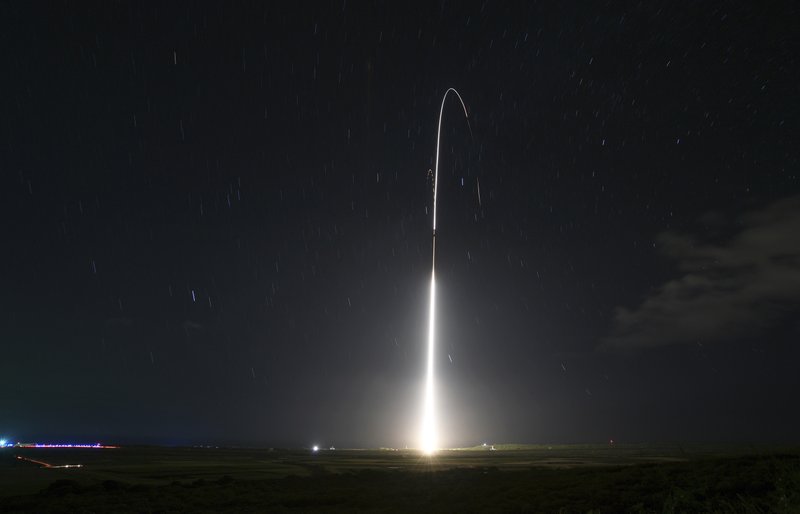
x=514, y=478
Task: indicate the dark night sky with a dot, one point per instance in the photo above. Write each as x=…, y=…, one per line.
x=217, y=227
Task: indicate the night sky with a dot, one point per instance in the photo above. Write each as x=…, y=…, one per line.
x=216, y=222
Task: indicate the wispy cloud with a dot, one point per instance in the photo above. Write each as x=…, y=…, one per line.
x=731, y=287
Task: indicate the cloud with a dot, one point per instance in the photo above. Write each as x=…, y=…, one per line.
x=731, y=287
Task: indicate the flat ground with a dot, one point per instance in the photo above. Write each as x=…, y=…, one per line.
x=514, y=478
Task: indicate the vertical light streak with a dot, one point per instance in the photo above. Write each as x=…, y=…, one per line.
x=429, y=437
x=429, y=433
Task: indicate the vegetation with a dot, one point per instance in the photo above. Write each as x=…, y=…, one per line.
x=185, y=480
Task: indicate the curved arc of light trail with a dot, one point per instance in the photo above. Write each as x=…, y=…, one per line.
x=436, y=168
x=429, y=435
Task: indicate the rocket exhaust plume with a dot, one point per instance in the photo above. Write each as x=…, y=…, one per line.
x=429, y=439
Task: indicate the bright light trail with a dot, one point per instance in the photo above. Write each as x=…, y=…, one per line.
x=429, y=437
x=47, y=464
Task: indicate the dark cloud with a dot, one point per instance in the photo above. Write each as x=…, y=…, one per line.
x=736, y=286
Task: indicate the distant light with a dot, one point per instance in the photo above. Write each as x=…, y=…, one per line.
x=3, y=442
x=315, y=449
x=66, y=445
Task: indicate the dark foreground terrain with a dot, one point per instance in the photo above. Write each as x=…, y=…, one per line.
x=513, y=479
